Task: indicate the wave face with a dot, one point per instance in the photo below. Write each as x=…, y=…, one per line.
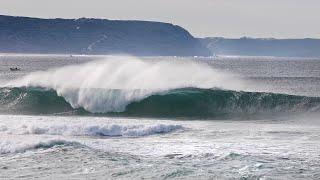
x=194, y=102
x=32, y=101
x=186, y=102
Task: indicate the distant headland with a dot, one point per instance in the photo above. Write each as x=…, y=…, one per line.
x=139, y=38
x=96, y=36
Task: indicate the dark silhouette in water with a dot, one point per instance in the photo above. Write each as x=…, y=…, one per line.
x=15, y=69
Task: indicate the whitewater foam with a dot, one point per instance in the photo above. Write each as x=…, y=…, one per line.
x=19, y=134
x=23, y=146
x=104, y=130
x=110, y=85
x=91, y=130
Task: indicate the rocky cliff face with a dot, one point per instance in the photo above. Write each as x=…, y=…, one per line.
x=96, y=36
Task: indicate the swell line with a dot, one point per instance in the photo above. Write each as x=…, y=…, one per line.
x=185, y=102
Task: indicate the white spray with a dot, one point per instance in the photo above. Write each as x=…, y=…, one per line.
x=109, y=85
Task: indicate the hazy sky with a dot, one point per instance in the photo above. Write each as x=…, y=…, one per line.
x=228, y=18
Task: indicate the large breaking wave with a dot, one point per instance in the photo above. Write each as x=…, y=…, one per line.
x=186, y=102
x=131, y=87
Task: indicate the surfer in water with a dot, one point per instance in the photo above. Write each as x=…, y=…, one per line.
x=14, y=69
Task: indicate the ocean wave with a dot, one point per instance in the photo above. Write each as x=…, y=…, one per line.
x=93, y=130
x=127, y=86
x=20, y=147
x=110, y=85
x=186, y=102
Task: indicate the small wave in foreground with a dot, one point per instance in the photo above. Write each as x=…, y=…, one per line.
x=113, y=130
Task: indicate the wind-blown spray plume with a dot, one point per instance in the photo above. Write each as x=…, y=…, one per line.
x=110, y=85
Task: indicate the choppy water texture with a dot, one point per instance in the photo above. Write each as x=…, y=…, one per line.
x=159, y=118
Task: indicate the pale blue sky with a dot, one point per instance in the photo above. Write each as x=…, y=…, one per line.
x=228, y=18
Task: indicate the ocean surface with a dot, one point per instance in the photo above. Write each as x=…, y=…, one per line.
x=122, y=117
